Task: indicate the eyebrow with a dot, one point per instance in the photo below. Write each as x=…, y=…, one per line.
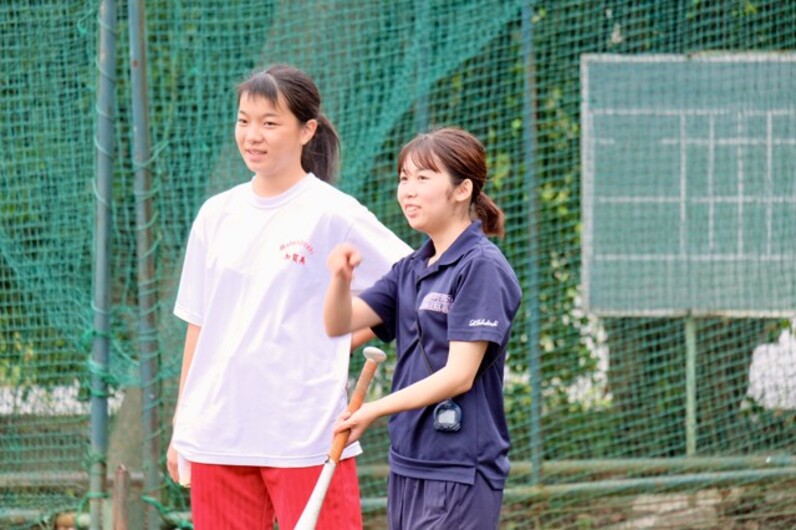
x=266, y=115
x=418, y=171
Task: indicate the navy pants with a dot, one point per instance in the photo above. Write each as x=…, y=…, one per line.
x=419, y=504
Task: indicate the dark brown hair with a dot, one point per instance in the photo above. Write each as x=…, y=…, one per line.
x=463, y=156
x=321, y=155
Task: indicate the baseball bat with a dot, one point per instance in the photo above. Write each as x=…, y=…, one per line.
x=311, y=512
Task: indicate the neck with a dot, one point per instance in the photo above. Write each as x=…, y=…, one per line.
x=274, y=184
x=444, y=238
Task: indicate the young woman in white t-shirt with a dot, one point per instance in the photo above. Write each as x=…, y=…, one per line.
x=261, y=382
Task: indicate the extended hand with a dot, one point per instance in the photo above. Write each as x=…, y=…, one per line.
x=342, y=261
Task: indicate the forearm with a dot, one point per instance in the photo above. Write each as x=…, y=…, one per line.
x=439, y=386
x=191, y=338
x=337, y=307
x=360, y=337
x=455, y=378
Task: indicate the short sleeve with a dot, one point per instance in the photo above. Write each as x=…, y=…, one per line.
x=379, y=247
x=485, y=302
x=189, y=305
x=382, y=298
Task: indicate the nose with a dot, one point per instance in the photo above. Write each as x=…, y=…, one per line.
x=253, y=135
x=406, y=190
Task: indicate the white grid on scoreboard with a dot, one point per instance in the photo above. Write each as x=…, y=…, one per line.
x=741, y=138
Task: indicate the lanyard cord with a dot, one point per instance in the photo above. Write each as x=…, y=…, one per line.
x=422, y=349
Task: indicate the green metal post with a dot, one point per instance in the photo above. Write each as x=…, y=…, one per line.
x=575, y=491
x=422, y=120
x=690, y=386
x=145, y=246
x=105, y=140
x=603, y=469
x=532, y=294
x=653, y=485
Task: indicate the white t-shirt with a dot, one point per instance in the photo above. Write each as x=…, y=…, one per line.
x=266, y=383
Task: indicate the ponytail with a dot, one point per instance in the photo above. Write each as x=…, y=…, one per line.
x=321, y=155
x=493, y=220
x=463, y=156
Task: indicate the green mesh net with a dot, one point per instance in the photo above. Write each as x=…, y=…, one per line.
x=651, y=367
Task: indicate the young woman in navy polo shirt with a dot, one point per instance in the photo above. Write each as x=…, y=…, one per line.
x=449, y=306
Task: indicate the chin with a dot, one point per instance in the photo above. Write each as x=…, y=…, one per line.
x=414, y=223
x=259, y=169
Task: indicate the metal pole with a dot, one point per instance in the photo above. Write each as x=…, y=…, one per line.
x=421, y=42
x=105, y=140
x=599, y=489
x=145, y=246
x=600, y=469
x=532, y=294
x=690, y=387
x=667, y=484
x=121, y=489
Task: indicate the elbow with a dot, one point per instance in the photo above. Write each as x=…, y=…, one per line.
x=331, y=324
x=463, y=386
x=455, y=382
x=333, y=328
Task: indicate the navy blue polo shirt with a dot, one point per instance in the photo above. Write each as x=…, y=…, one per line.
x=470, y=294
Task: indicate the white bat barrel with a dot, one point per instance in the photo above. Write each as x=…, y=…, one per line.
x=313, y=509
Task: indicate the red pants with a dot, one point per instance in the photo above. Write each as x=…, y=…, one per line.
x=251, y=498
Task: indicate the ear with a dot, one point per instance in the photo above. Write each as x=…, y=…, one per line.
x=308, y=131
x=464, y=191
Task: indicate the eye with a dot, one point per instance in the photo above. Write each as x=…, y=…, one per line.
x=241, y=121
x=270, y=124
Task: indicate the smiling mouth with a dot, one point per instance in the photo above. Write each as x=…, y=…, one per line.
x=255, y=154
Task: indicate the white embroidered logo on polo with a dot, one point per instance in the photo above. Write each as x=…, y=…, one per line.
x=439, y=302
x=480, y=322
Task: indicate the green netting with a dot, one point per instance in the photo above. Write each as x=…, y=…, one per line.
x=666, y=358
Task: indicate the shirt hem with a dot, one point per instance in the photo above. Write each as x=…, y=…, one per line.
x=187, y=316
x=475, y=335
x=432, y=470
x=262, y=460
